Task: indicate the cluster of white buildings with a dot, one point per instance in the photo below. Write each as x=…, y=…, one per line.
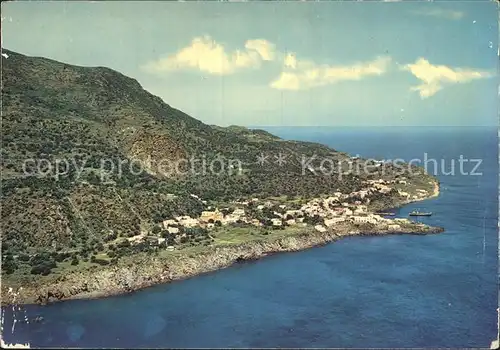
x=333, y=210
x=208, y=219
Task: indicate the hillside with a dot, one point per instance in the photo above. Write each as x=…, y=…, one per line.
x=84, y=119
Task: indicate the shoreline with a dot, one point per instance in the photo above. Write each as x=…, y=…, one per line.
x=246, y=252
x=333, y=237
x=120, y=280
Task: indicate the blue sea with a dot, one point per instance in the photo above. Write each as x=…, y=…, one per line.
x=395, y=291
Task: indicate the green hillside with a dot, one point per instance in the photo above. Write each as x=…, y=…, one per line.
x=80, y=117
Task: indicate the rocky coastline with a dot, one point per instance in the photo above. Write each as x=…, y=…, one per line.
x=143, y=271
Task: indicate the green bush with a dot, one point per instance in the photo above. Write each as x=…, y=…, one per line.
x=9, y=265
x=101, y=261
x=44, y=268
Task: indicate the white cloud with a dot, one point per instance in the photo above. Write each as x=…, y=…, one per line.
x=434, y=77
x=209, y=56
x=290, y=61
x=263, y=47
x=440, y=13
x=287, y=81
x=301, y=75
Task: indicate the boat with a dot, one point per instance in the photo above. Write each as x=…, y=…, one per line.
x=419, y=213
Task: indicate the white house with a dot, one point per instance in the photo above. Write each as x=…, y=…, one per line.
x=331, y=222
x=238, y=212
x=173, y=230
x=364, y=219
x=320, y=228
x=276, y=222
x=187, y=221
x=168, y=223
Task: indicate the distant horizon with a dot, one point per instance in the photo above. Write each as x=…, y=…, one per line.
x=369, y=126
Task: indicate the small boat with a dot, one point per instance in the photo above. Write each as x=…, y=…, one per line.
x=386, y=214
x=419, y=213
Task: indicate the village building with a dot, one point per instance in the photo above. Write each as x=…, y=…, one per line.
x=333, y=221
x=206, y=216
x=358, y=211
x=229, y=219
x=237, y=215
x=363, y=208
x=401, y=220
x=169, y=223
x=276, y=222
x=238, y=212
x=256, y=222
x=188, y=221
x=320, y=228
x=376, y=217
x=403, y=194
x=364, y=219
x=294, y=213
x=173, y=230
x=136, y=239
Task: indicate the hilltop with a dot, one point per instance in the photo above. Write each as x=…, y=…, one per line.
x=68, y=205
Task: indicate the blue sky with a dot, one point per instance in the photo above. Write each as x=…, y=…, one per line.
x=275, y=63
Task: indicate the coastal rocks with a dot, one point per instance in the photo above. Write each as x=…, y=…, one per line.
x=147, y=270
x=42, y=298
x=50, y=296
x=241, y=258
x=126, y=280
